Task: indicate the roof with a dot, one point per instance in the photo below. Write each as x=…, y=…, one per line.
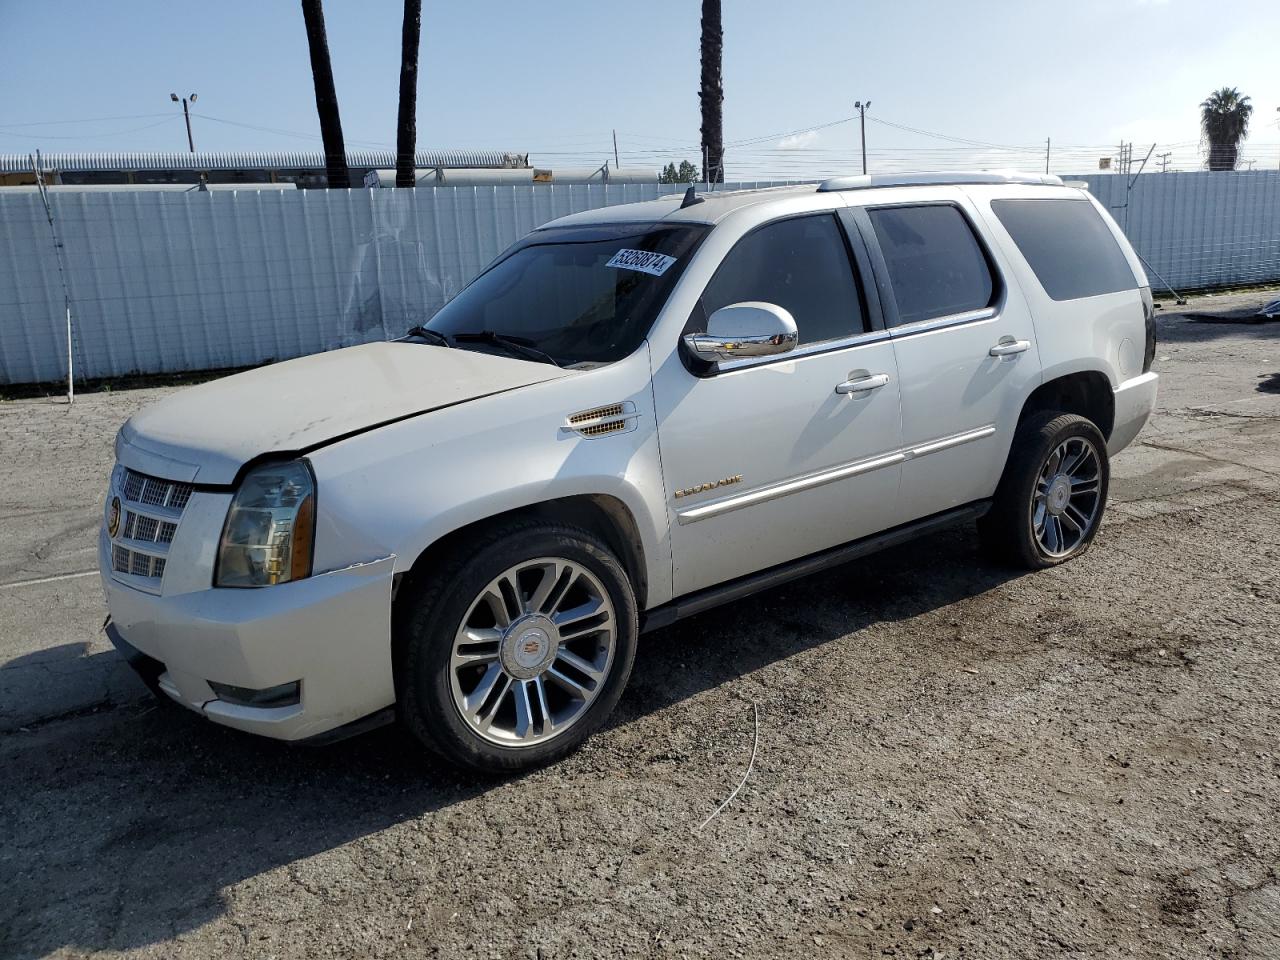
x=713, y=206
x=254, y=160
x=869, y=181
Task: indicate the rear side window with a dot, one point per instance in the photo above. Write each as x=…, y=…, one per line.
x=1069, y=247
x=936, y=265
x=801, y=265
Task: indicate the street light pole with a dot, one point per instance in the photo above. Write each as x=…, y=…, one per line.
x=186, y=115
x=862, y=127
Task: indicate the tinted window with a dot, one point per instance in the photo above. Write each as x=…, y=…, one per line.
x=801, y=265
x=935, y=264
x=1071, y=250
x=581, y=294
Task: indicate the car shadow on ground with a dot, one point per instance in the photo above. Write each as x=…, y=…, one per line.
x=124, y=829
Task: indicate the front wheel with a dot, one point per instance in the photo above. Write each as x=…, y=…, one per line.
x=518, y=648
x=1050, y=501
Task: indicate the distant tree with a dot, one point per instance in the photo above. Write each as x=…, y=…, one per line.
x=1224, y=121
x=685, y=173
x=407, y=121
x=335, y=151
x=711, y=92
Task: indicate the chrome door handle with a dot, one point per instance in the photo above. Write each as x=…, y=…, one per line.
x=863, y=384
x=1009, y=346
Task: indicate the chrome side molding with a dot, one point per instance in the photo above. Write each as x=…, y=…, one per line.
x=844, y=471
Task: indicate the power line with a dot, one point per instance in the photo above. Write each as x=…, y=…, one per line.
x=85, y=136
x=46, y=123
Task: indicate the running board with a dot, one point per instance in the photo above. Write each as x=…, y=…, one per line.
x=702, y=600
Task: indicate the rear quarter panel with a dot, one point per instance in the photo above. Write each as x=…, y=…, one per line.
x=1103, y=333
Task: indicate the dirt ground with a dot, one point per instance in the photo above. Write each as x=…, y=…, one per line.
x=954, y=760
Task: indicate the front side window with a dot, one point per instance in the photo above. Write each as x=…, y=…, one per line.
x=801, y=265
x=1071, y=251
x=936, y=266
x=582, y=295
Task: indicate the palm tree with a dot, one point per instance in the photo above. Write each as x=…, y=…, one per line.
x=407, y=121
x=335, y=151
x=711, y=93
x=1224, y=120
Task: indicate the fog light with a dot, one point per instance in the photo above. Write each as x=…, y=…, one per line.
x=284, y=695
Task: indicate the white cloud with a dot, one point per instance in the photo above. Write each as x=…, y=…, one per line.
x=798, y=141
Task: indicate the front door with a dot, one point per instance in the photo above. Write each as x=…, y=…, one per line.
x=764, y=461
x=965, y=348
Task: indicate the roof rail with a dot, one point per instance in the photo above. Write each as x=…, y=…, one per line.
x=869, y=180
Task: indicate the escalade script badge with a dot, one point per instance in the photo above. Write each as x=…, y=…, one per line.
x=704, y=487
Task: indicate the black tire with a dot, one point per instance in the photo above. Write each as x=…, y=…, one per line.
x=431, y=613
x=1008, y=531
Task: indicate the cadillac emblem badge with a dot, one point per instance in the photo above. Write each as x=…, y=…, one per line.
x=113, y=517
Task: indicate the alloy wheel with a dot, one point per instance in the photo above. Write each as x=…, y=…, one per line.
x=1067, y=497
x=533, y=652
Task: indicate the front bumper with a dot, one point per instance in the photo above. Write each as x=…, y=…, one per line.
x=331, y=631
x=1134, y=401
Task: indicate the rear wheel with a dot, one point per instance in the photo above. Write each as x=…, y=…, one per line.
x=518, y=649
x=1051, y=498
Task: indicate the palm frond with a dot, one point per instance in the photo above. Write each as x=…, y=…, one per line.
x=1224, y=121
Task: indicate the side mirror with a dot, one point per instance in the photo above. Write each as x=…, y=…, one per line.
x=740, y=330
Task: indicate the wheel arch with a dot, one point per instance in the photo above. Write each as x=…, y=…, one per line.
x=601, y=514
x=1086, y=393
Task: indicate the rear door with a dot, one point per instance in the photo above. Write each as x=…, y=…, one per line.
x=964, y=343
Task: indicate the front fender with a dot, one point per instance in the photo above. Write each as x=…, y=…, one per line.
x=403, y=487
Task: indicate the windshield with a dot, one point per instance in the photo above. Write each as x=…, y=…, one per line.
x=582, y=295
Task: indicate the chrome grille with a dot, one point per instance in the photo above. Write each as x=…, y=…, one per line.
x=148, y=525
x=154, y=492
x=139, y=526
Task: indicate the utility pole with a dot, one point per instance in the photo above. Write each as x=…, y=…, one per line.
x=186, y=115
x=616, y=164
x=1125, y=160
x=1164, y=161
x=862, y=128
x=1046, y=154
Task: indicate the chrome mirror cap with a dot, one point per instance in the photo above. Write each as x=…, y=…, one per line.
x=751, y=329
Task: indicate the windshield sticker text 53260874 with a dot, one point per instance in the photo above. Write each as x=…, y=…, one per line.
x=653, y=263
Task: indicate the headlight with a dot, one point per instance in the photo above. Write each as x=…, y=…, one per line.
x=270, y=527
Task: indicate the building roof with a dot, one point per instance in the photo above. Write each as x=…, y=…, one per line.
x=254, y=160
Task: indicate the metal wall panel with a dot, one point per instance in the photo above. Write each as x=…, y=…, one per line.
x=168, y=282
x=1199, y=229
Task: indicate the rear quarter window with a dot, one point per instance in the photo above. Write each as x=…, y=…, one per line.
x=1068, y=246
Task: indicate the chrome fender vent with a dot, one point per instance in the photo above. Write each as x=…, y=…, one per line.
x=602, y=421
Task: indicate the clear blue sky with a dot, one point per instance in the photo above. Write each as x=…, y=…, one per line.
x=554, y=78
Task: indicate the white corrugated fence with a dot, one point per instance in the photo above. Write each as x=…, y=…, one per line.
x=167, y=282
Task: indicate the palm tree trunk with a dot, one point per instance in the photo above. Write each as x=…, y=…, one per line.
x=711, y=93
x=335, y=151
x=1223, y=156
x=407, y=121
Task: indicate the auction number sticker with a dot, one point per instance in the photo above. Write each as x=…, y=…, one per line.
x=652, y=263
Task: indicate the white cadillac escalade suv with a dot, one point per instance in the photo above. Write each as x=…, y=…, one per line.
x=633, y=414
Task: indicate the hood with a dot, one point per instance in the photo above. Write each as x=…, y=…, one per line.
x=206, y=433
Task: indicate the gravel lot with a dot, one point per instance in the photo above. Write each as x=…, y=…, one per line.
x=954, y=760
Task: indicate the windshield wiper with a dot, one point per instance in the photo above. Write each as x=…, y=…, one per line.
x=433, y=336
x=510, y=344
